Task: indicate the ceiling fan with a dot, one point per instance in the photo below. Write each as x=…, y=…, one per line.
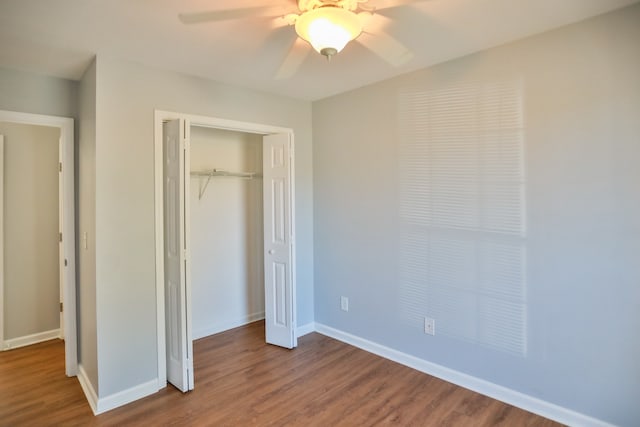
x=325, y=25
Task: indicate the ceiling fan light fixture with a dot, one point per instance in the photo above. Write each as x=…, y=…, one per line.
x=328, y=29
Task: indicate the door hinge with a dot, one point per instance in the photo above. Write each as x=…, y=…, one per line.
x=61, y=307
x=60, y=236
x=60, y=166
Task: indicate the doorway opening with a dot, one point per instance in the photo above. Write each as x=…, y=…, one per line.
x=37, y=167
x=242, y=173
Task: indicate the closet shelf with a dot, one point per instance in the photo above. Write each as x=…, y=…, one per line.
x=212, y=173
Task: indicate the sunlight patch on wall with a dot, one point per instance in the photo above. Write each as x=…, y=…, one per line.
x=462, y=252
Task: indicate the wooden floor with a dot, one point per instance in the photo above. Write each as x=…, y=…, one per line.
x=240, y=381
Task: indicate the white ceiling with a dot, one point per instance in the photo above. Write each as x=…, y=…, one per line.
x=60, y=37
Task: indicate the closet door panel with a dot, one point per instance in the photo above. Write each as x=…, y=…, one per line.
x=179, y=360
x=278, y=245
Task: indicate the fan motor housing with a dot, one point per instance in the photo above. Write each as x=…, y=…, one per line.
x=311, y=25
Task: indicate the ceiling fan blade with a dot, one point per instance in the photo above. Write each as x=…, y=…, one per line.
x=386, y=47
x=297, y=54
x=387, y=4
x=377, y=40
x=222, y=15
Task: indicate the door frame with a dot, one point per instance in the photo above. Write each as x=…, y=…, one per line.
x=67, y=252
x=161, y=116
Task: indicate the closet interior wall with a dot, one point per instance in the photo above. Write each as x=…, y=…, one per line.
x=226, y=238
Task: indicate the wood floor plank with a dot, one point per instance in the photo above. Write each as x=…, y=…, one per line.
x=241, y=381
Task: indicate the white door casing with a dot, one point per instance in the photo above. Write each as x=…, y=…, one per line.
x=68, y=246
x=178, y=341
x=278, y=248
x=61, y=259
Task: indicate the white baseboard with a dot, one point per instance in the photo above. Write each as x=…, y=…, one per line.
x=495, y=391
x=225, y=326
x=126, y=396
x=87, y=388
x=305, y=329
x=104, y=404
x=31, y=339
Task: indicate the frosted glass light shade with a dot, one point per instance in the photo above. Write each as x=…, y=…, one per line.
x=328, y=29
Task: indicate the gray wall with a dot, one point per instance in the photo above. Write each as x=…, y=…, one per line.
x=127, y=95
x=31, y=270
x=33, y=93
x=389, y=236
x=86, y=223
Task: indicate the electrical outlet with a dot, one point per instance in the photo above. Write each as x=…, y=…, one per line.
x=344, y=303
x=429, y=326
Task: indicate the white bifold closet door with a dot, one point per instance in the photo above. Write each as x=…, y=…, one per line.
x=278, y=248
x=278, y=241
x=179, y=346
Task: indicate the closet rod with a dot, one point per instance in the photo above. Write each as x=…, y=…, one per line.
x=221, y=172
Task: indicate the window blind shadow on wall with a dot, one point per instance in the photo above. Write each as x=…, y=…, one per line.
x=462, y=212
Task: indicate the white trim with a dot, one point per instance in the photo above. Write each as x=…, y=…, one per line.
x=305, y=329
x=225, y=124
x=495, y=391
x=101, y=405
x=126, y=396
x=26, y=340
x=61, y=266
x=87, y=388
x=67, y=203
x=203, y=121
x=225, y=326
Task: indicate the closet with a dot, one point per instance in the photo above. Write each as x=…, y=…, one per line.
x=226, y=232
x=225, y=251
